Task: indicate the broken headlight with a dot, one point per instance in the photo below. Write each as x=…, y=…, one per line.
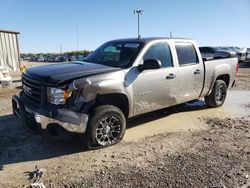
x=58, y=96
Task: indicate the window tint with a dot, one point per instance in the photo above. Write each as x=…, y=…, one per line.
x=186, y=53
x=160, y=51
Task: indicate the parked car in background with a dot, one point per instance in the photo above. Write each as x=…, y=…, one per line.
x=73, y=58
x=34, y=59
x=248, y=53
x=229, y=50
x=241, y=53
x=60, y=59
x=41, y=59
x=81, y=58
x=215, y=52
x=56, y=57
x=50, y=59
x=77, y=58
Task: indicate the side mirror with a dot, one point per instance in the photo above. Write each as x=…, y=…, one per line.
x=150, y=64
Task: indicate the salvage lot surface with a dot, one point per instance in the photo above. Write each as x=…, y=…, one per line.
x=184, y=146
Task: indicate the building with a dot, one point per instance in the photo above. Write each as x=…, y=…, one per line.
x=9, y=50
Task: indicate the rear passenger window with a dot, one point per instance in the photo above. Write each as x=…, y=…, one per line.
x=160, y=51
x=186, y=53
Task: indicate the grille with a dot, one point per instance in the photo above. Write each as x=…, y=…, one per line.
x=32, y=90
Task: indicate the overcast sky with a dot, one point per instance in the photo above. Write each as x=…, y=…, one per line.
x=45, y=25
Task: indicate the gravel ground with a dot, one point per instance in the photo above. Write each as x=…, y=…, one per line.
x=215, y=155
x=5, y=99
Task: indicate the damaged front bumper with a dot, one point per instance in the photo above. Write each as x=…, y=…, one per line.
x=41, y=119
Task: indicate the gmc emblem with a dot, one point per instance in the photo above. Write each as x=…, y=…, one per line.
x=27, y=90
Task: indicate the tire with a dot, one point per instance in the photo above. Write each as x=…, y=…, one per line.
x=218, y=95
x=106, y=127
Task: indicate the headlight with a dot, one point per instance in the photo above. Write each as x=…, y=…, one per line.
x=57, y=96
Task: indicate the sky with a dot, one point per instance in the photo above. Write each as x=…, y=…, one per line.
x=46, y=25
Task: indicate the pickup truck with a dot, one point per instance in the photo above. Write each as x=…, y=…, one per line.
x=121, y=79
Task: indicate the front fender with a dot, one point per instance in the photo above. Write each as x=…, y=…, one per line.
x=91, y=88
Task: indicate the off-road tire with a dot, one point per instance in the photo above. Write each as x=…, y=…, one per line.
x=219, y=88
x=96, y=117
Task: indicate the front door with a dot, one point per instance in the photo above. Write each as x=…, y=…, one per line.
x=156, y=88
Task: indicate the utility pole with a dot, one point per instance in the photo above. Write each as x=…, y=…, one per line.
x=138, y=12
x=77, y=38
x=170, y=34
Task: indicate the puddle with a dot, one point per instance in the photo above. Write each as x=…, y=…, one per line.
x=236, y=103
x=185, y=117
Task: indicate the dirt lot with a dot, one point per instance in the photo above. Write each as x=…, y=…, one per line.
x=183, y=146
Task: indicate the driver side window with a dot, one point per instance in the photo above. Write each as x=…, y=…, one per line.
x=160, y=51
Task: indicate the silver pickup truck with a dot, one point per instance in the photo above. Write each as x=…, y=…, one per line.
x=121, y=79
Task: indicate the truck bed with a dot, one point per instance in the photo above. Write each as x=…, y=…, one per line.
x=214, y=68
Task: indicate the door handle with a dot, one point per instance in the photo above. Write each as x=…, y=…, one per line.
x=170, y=76
x=197, y=71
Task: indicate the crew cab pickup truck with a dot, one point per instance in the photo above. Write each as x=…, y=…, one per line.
x=121, y=79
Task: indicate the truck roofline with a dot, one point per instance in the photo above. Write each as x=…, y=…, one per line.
x=148, y=39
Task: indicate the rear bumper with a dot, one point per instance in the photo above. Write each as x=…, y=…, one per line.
x=40, y=119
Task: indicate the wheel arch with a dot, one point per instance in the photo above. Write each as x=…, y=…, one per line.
x=119, y=100
x=225, y=78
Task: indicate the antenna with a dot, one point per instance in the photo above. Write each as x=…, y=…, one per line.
x=138, y=12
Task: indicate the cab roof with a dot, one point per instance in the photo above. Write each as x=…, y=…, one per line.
x=146, y=40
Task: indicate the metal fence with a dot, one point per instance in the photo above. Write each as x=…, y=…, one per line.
x=9, y=50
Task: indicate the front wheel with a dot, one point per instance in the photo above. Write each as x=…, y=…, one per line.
x=218, y=95
x=106, y=127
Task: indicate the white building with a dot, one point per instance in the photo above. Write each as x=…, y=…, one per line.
x=9, y=50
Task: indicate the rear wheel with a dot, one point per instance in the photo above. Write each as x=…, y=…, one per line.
x=106, y=127
x=218, y=94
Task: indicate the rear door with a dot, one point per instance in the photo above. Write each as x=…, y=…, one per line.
x=191, y=72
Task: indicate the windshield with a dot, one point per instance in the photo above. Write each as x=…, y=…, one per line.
x=115, y=54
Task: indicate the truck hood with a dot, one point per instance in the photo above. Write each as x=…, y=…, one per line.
x=55, y=74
